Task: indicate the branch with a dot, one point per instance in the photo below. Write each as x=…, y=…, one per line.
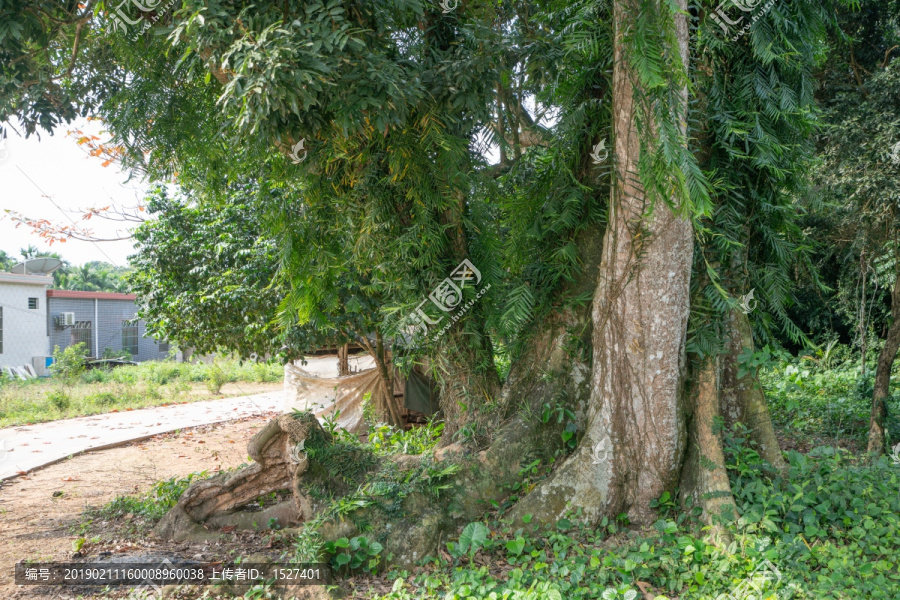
x=54, y=232
x=74, y=55
x=887, y=56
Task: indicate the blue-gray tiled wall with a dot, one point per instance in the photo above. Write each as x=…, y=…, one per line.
x=111, y=315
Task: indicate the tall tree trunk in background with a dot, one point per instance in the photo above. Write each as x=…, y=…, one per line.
x=863, y=326
x=882, y=388
x=554, y=368
x=742, y=398
x=704, y=478
x=343, y=360
x=635, y=438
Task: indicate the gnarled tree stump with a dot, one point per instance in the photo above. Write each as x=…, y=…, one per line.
x=279, y=463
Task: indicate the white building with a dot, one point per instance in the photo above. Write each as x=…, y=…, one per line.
x=24, y=328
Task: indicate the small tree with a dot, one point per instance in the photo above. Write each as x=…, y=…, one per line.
x=69, y=364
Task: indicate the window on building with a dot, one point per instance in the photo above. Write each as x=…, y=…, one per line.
x=164, y=346
x=33, y=303
x=82, y=332
x=130, y=337
x=1, y=330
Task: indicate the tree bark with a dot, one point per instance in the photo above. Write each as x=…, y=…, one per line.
x=635, y=439
x=468, y=380
x=743, y=399
x=882, y=388
x=704, y=480
x=343, y=360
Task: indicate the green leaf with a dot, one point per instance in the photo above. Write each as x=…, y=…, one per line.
x=515, y=546
x=375, y=548
x=473, y=537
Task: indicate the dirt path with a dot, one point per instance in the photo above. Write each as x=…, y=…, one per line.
x=36, y=525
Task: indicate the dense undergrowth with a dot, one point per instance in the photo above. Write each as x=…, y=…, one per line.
x=825, y=396
x=829, y=529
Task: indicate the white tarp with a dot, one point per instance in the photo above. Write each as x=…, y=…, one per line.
x=317, y=388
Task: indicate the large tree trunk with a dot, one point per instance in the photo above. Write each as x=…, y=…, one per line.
x=635, y=439
x=743, y=399
x=553, y=369
x=464, y=368
x=704, y=480
x=883, y=375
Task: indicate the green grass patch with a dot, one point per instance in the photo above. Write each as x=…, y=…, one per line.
x=151, y=506
x=129, y=387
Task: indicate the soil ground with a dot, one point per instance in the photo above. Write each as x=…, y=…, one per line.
x=41, y=514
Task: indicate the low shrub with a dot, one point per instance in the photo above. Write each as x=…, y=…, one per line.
x=153, y=505
x=69, y=364
x=215, y=379
x=59, y=399
x=95, y=376
x=357, y=553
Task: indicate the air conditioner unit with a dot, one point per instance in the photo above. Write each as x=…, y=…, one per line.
x=67, y=319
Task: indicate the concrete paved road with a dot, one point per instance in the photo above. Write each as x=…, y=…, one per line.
x=27, y=447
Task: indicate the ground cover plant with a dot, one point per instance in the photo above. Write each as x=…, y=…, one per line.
x=814, y=401
x=153, y=383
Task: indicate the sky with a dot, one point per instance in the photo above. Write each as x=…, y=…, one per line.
x=74, y=181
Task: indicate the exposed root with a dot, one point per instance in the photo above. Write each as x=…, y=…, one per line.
x=279, y=463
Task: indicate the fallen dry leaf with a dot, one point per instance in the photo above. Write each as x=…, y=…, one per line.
x=645, y=590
